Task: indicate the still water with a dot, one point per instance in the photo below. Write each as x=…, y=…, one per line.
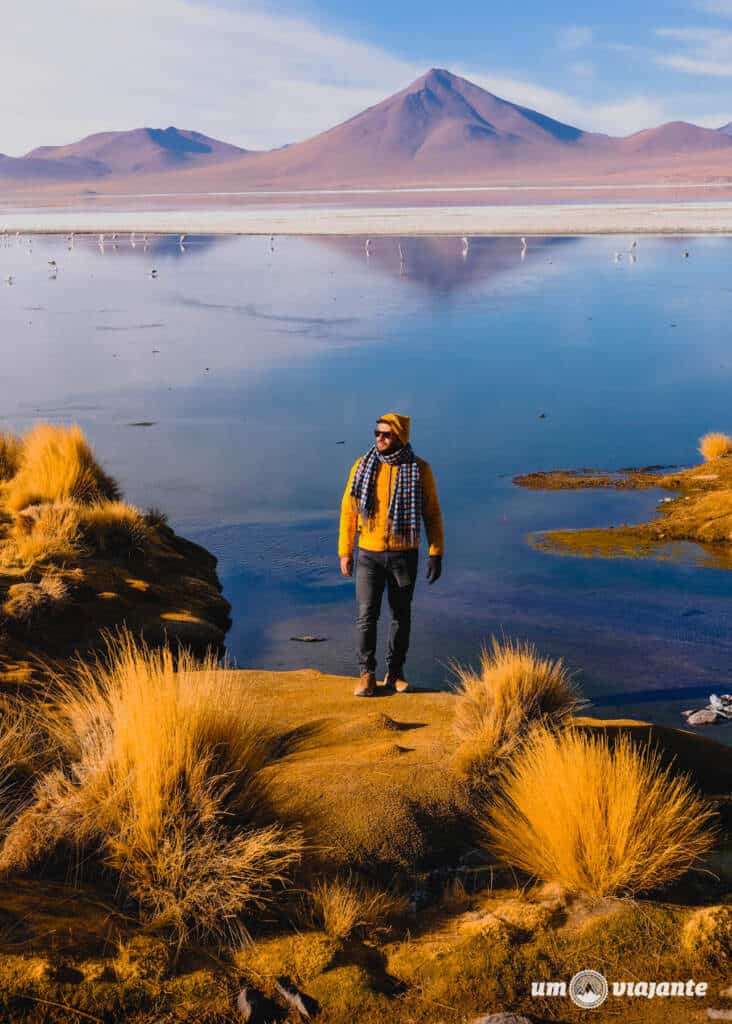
x=261, y=370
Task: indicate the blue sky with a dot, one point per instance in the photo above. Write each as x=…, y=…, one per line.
x=262, y=74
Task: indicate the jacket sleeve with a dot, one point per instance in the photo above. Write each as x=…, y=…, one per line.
x=349, y=519
x=431, y=512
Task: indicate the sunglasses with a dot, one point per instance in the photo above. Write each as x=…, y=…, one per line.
x=383, y=433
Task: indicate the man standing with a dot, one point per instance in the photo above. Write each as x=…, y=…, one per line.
x=389, y=491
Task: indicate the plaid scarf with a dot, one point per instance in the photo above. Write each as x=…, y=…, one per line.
x=406, y=500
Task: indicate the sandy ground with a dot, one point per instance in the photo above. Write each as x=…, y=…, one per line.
x=549, y=219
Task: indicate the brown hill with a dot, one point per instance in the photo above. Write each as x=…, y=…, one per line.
x=140, y=151
x=674, y=138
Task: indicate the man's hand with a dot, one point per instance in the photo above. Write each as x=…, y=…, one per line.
x=434, y=568
x=347, y=565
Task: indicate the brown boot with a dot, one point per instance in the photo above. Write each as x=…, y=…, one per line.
x=366, y=685
x=394, y=681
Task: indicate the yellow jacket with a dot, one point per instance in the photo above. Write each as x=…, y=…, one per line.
x=377, y=537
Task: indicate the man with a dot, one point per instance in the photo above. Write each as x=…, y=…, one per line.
x=389, y=491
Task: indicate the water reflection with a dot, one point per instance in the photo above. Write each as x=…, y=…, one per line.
x=251, y=363
x=442, y=266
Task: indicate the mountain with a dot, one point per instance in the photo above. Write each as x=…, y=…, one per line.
x=441, y=128
x=676, y=137
x=140, y=151
x=440, y=131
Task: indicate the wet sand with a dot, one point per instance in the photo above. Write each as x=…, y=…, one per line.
x=705, y=217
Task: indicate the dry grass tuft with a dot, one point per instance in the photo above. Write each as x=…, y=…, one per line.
x=595, y=819
x=64, y=531
x=26, y=600
x=11, y=449
x=114, y=528
x=162, y=776
x=513, y=690
x=714, y=445
x=707, y=935
x=346, y=907
x=57, y=464
x=42, y=533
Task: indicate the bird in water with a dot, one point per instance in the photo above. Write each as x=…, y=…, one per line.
x=153, y=272
x=466, y=246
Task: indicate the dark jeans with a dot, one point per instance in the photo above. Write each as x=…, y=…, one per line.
x=397, y=571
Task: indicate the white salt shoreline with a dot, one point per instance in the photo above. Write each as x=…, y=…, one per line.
x=713, y=217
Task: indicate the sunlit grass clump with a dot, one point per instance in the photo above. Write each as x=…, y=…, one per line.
x=514, y=689
x=344, y=907
x=714, y=446
x=11, y=448
x=62, y=504
x=160, y=776
x=54, y=464
x=597, y=819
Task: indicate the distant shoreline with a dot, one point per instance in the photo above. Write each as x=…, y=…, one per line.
x=607, y=218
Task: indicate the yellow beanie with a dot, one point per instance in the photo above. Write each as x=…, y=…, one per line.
x=399, y=423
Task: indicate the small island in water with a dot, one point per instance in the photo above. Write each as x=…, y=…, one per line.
x=182, y=841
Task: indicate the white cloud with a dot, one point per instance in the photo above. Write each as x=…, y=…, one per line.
x=722, y=7
x=574, y=37
x=248, y=76
x=620, y=117
x=242, y=73
x=704, y=51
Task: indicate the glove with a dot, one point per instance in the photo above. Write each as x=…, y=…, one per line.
x=434, y=568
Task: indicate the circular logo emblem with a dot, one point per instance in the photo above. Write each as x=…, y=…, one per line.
x=588, y=989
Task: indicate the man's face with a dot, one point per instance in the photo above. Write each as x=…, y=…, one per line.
x=385, y=443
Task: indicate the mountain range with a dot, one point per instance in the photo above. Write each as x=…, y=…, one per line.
x=441, y=130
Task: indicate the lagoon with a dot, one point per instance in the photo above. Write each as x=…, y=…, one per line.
x=251, y=363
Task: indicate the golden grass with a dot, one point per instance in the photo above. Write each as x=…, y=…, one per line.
x=64, y=531
x=161, y=774
x=714, y=445
x=344, y=907
x=595, y=819
x=113, y=527
x=25, y=600
x=11, y=448
x=42, y=533
x=57, y=464
x=513, y=690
